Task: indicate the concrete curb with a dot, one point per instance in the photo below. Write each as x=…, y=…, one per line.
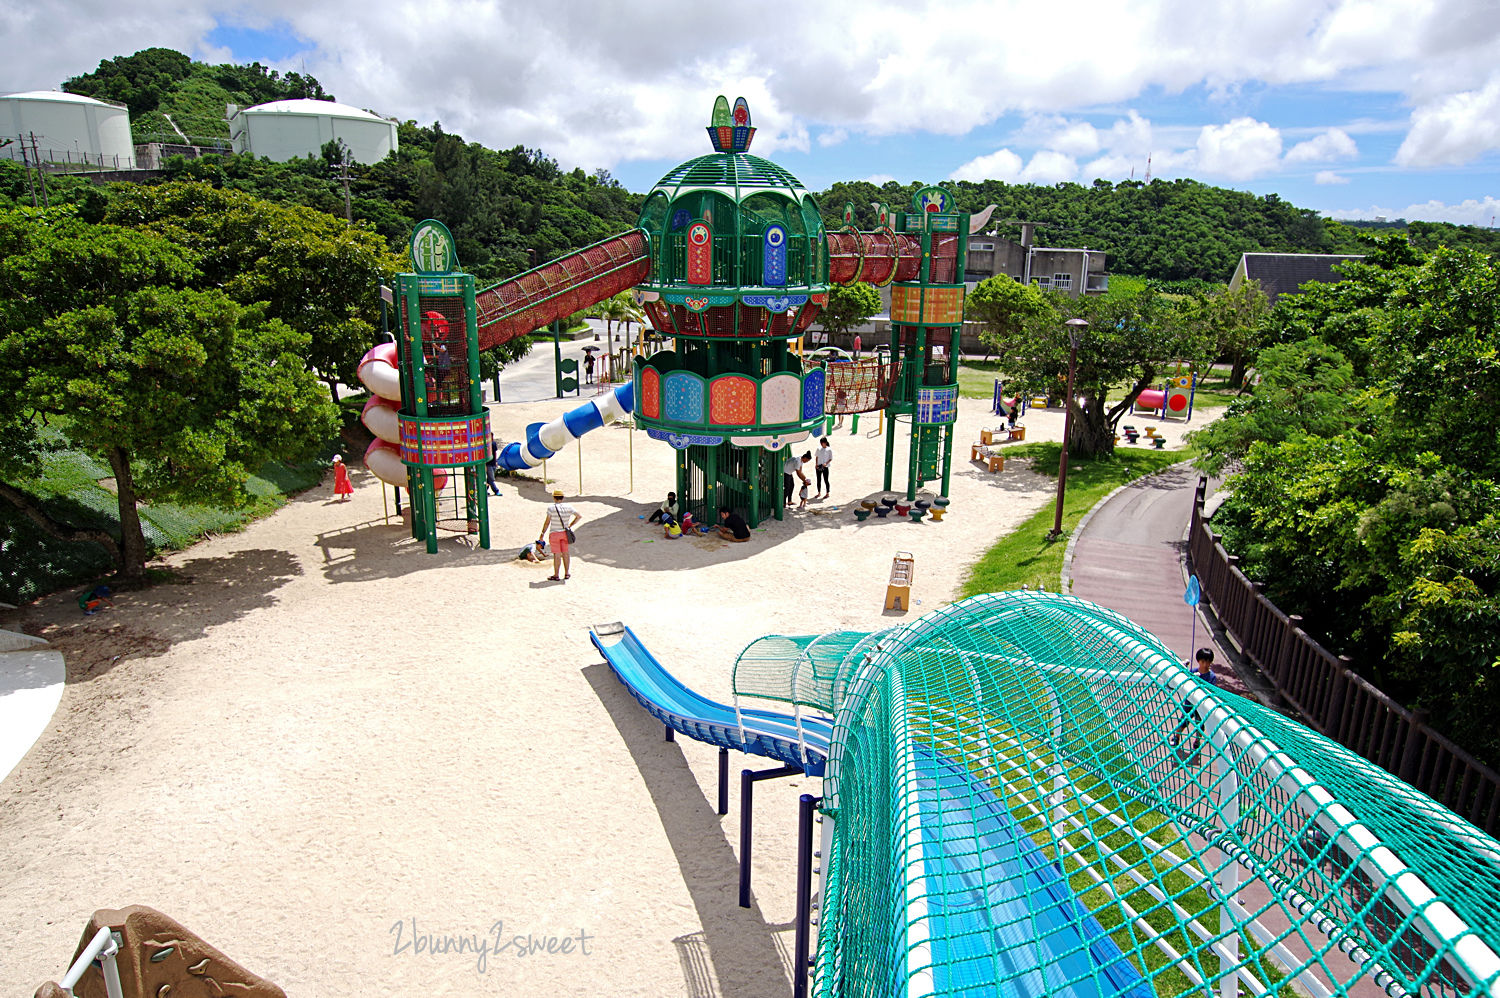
x=1065, y=578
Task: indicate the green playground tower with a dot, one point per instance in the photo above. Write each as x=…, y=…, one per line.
x=445, y=430
x=739, y=270
x=927, y=315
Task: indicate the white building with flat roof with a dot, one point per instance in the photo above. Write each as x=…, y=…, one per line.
x=290, y=129
x=58, y=127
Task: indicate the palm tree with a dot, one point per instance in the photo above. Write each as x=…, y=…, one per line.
x=621, y=308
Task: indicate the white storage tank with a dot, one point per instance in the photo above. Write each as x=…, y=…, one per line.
x=289, y=129
x=59, y=127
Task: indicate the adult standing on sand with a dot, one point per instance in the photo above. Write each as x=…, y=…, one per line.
x=823, y=460
x=791, y=469
x=561, y=518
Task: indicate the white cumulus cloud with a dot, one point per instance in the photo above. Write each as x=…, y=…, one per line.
x=1050, y=167
x=1329, y=177
x=599, y=83
x=1471, y=211
x=1002, y=164
x=1333, y=144
x=1241, y=149
x=1457, y=129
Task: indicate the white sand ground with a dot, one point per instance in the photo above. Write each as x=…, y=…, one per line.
x=323, y=733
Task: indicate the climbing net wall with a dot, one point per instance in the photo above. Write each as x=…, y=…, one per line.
x=858, y=386
x=1028, y=795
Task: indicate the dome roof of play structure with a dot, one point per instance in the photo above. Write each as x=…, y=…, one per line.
x=730, y=170
x=737, y=175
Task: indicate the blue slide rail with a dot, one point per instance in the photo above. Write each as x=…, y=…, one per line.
x=545, y=439
x=984, y=928
x=756, y=732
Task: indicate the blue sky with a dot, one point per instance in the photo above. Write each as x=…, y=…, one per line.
x=1355, y=108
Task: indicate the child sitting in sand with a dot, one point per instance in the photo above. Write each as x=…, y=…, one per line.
x=91, y=601
x=534, y=551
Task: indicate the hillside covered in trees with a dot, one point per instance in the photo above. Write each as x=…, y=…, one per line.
x=156, y=83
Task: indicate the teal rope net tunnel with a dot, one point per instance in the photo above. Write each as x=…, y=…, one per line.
x=1028, y=795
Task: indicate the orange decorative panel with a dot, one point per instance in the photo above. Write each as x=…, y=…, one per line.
x=650, y=393
x=941, y=305
x=731, y=402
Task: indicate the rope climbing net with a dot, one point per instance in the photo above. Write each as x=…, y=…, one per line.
x=858, y=386
x=1029, y=795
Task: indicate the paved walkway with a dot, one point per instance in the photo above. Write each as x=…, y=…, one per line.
x=1129, y=557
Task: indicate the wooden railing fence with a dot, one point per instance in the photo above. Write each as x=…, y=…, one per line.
x=1329, y=695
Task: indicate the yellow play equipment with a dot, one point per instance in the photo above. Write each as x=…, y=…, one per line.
x=898, y=592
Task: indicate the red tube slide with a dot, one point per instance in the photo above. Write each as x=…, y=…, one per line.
x=566, y=285
x=872, y=256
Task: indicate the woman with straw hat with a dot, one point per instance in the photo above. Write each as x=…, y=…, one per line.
x=556, y=531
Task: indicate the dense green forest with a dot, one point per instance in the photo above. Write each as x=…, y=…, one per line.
x=1368, y=479
x=1168, y=230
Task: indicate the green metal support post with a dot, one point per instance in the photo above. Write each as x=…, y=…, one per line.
x=475, y=492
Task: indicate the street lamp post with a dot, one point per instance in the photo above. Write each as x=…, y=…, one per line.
x=1075, y=330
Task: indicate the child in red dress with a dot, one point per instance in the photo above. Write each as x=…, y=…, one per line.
x=341, y=486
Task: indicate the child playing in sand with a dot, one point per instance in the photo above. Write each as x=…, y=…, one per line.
x=91, y=601
x=534, y=551
x=802, y=495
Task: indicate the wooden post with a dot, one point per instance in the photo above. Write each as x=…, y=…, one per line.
x=1284, y=654
x=1411, y=752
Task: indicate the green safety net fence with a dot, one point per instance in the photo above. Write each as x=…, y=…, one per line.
x=1028, y=795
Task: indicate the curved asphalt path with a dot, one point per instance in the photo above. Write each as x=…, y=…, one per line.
x=1129, y=556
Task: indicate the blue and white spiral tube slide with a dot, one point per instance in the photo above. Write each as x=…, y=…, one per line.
x=545, y=439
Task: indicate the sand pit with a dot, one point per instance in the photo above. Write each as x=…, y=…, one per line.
x=331, y=754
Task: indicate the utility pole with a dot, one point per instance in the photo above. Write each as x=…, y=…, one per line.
x=1075, y=331
x=41, y=174
x=26, y=164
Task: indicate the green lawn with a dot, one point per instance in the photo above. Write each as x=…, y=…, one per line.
x=71, y=490
x=976, y=378
x=1025, y=557
x=1213, y=389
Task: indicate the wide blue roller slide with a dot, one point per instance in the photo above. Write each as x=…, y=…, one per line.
x=758, y=732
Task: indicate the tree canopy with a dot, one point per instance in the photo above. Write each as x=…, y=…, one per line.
x=1167, y=230
x=1133, y=338
x=1370, y=480
x=849, y=305
x=179, y=389
x=306, y=268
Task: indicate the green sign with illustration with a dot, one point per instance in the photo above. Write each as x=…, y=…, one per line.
x=432, y=248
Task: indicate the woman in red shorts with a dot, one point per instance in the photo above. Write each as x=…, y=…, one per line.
x=560, y=518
